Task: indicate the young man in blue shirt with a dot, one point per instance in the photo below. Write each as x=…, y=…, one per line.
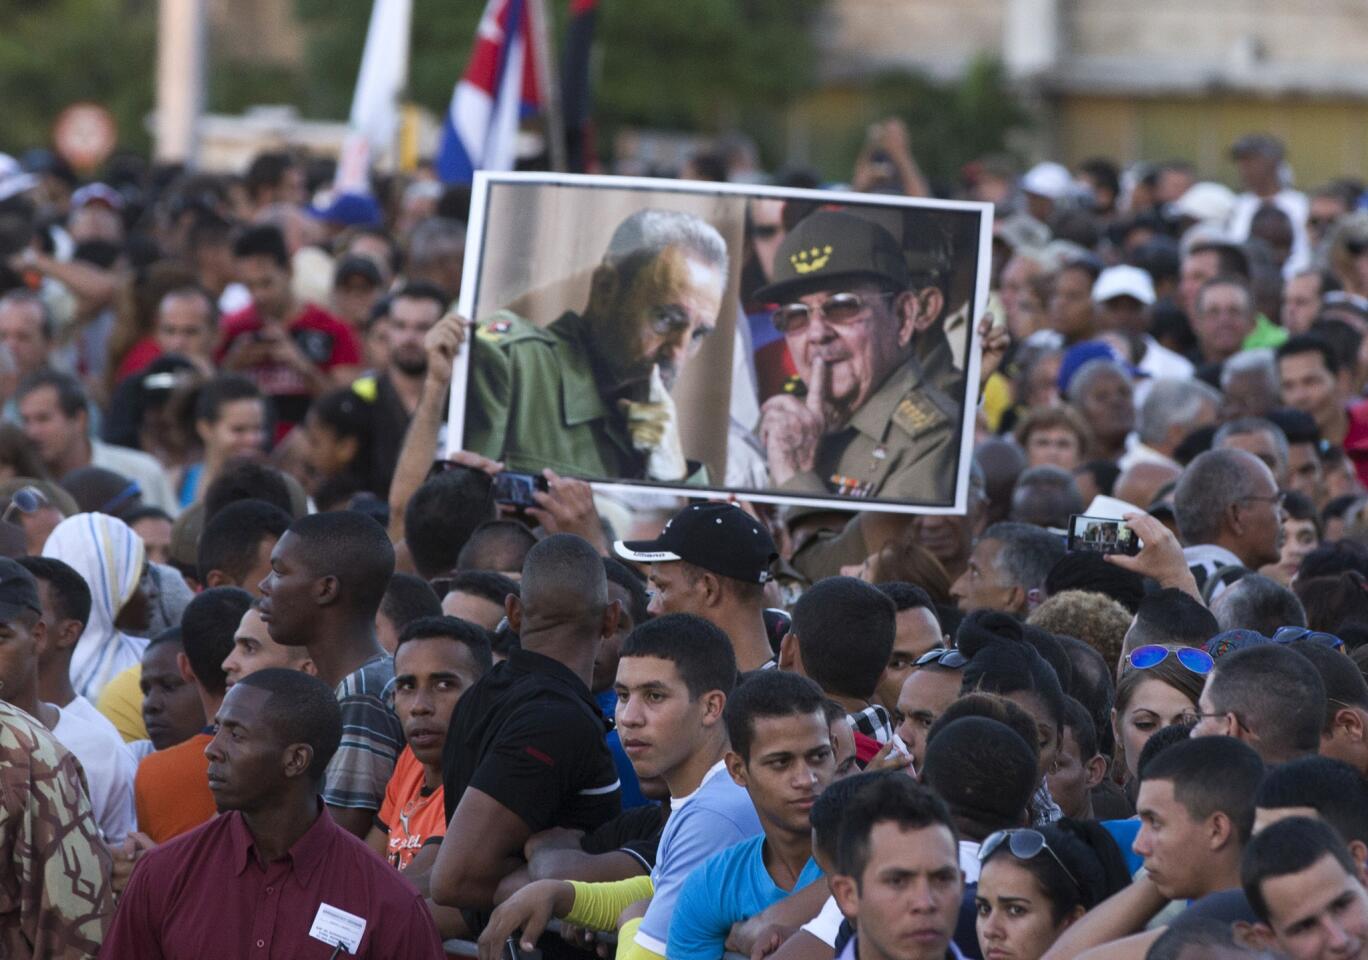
x=781, y=753
x=673, y=680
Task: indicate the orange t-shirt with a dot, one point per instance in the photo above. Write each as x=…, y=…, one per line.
x=171, y=790
x=410, y=816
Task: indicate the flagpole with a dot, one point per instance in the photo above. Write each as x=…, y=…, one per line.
x=550, y=82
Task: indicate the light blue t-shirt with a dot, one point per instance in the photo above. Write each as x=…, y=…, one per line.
x=712, y=818
x=732, y=885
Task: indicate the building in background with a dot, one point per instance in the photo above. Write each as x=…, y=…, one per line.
x=1151, y=79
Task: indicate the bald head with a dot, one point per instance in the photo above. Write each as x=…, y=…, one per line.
x=1229, y=497
x=1141, y=483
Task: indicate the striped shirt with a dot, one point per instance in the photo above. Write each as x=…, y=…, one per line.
x=371, y=739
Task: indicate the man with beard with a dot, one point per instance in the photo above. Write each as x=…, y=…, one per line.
x=589, y=394
x=409, y=314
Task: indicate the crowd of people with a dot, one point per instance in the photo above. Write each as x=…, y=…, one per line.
x=277, y=681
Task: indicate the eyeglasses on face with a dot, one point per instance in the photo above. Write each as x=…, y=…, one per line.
x=839, y=310
x=1277, y=499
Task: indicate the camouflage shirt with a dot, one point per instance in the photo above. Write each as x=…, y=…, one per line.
x=55, y=894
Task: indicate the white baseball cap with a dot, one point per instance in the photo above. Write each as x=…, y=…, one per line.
x=1206, y=201
x=13, y=179
x=1048, y=179
x=1123, y=281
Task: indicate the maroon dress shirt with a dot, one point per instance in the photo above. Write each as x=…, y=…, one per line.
x=206, y=895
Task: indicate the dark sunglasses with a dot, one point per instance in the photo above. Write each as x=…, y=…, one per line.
x=1024, y=844
x=947, y=657
x=1151, y=655
x=1307, y=635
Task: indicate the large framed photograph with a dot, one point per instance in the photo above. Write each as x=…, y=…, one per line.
x=789, y=346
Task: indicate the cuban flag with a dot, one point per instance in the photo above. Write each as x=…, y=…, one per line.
x=500, y=87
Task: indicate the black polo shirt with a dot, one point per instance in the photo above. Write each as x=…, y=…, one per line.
x=635, y=832
x=530, y=735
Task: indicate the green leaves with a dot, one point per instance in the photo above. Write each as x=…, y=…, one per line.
x=56, y=52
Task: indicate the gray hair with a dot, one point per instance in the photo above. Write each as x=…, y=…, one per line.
x=1089, y=372
x=1261, y=361
x=647, y=233
x=22, y=297
x=1171, y=403
x=1028, y=553
x=1249, y=425
x=436, y=237
x=1208, y=487
x=1256, y=602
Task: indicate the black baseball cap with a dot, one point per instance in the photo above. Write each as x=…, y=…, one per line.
x=18, y=591
x=354, y=267
x=718, y=537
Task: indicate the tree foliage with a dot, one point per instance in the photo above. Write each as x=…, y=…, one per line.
x=690, y=64
x=951, y=122
x=57, y=52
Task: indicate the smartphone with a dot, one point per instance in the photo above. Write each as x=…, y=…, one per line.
x=1102, y=535
x=516, y=489
x=512, y=951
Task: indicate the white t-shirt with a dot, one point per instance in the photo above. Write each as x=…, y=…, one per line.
x=1295, y=204
x=108, y=764
x=969, y=861
x=826, y=926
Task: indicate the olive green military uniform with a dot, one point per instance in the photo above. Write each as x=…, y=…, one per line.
x=902, y=444
x=534, y=402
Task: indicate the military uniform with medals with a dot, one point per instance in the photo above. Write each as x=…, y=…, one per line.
x=900, y=445
x=903, y=442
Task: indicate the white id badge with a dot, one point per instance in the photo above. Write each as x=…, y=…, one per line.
x=334, y=926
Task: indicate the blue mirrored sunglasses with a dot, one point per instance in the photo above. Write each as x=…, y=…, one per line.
x=1151, y=655
x=1307, y=635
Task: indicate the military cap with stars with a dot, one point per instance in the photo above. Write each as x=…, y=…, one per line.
x=831, y=247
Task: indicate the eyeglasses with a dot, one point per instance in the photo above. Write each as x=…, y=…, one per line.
x=947, y=657
x=1307, y=635
x=1239, y=721
x=839, y=310
x=24, y=500
x=1024, y=844
x=1277, y=499
x=1152, y=654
